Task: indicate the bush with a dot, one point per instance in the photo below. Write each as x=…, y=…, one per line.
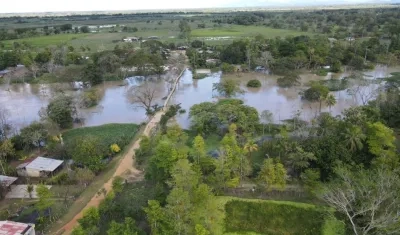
x=90, y=98
x=273, y=217
x=254, y=83
x=227, y=68
x=321, y=72
x=289, y=80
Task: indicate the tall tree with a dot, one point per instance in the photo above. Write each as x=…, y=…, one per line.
x=330, y=101
x=354, y=138
x=368, y=199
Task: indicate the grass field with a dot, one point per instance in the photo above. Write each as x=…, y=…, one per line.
x=331, y=222
x=44, y=41
x=244, y=31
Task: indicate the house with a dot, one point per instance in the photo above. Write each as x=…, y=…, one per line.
x=131, y=39
x=182, y=48
x=15, y=228
x=4, y=72
x=7, y=181
x=350, y=39
x=39, y=167
x=153, y=38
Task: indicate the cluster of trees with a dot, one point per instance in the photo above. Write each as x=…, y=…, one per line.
x=283, y=55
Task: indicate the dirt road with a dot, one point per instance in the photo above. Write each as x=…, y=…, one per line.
x=125, y=169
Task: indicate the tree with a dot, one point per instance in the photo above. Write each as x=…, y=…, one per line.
x=249, y=148
x=289, y=80
x=62, y=110
x=7, y=151
x=84, y=176
x=87, y=151
x=381, y=139
x=330, y=101
x=45, y=198
x=267, y=117
x=300, y=159
x=354, y=138
x=316, y=92
x=184, y=29
x=272, y=175
x=34, y=135
x=228, y=88
x=93, y=74
x=29, y=189
x=90, y=220
x=157, y=218
x=267, y=174
x=368, y=199
x=199, y=148
x=143, y=96
x=84, y=29
x=178, y=206
x=128, y=227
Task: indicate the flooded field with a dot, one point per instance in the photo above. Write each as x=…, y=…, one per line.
x=23, y=101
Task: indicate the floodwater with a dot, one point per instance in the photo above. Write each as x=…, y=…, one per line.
x=284, y=103
x=23, y=101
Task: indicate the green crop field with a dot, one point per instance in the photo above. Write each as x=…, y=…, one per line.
x=108, y=134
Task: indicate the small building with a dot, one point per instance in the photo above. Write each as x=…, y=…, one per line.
x=7, y=181
x=153, y=38
x=131, y=39
x=182, y=48
x=15, y=228
x=39, y=167
x=4, y=72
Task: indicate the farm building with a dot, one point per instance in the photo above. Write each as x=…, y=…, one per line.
x=15, y=228
x=7, y=181
x=39, y=167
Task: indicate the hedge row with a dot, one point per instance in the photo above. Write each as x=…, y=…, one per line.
x=273, y=217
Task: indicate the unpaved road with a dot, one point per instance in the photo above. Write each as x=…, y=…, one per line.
x=125, y=169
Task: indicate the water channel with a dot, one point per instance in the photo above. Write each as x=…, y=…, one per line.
x=23, y=101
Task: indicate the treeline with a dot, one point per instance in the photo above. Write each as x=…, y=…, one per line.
x=283, y=55
x=336, y=23
x=68, y=64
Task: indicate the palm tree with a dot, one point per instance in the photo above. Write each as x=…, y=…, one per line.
x=330, y=101
x=30, y=189
x=354, y=138
x=300, y=159
x=250, y=147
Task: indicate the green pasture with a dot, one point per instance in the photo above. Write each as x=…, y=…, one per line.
x=44, y=41
x=244, y=31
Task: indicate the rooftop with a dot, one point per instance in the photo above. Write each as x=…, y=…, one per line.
x=7, y=180
x=13, y=228
x=44, y=164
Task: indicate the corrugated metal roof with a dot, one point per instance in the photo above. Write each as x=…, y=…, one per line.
x=13, y=228
x=44, y=164
x=7, y=180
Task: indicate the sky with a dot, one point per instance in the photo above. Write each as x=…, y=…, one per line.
x=24, y=6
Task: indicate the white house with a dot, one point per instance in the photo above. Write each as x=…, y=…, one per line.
x=131, y=39
x=14, y=228
x=39, y=167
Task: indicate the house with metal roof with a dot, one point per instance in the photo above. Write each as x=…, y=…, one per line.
x=39, y=167
x=15, y=228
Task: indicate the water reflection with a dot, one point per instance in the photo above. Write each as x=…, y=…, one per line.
x=25, y=100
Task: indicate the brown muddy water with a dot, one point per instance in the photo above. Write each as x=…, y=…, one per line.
x=23, y=101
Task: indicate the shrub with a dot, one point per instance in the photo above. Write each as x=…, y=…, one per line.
x=115, y=148
x=227, y=68
x=321, y=72
x=254, y=83
x=289, y=80
x=273, y=217
x=90, y=98
x=199, y=76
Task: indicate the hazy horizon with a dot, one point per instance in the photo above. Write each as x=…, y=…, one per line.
x=50, y=6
